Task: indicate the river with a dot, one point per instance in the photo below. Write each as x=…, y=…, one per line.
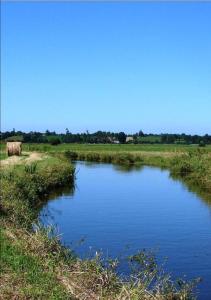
x=120, y=210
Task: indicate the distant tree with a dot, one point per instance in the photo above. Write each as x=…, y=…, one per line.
x=122, y=137
x=140, y=133
x=106, y=137
x=15, y=138
x=54, y=140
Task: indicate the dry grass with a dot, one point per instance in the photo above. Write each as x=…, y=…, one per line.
x=25, y=158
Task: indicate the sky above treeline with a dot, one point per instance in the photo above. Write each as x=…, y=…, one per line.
x=106, y=66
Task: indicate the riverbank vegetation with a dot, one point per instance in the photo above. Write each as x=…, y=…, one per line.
x=23, y=185
x=34, y=263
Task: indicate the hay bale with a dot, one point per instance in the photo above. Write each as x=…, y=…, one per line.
x=14, y=148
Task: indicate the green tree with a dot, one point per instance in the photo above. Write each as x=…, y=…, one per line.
x=141, y=133
x=54, y=140
x=122, y=137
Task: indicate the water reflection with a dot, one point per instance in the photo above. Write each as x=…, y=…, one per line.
x=67, y=190
x=47, y=212
x=204, y=195
x=128, y=168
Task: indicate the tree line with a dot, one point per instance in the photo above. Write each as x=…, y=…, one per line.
x=104, y=137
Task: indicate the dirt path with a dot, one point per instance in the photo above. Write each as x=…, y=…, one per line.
x=26, y=158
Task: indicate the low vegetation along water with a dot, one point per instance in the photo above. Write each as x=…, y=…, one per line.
x=121, y=210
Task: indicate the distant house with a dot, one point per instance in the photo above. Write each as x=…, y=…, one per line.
x=112, y=140
x=129, y=139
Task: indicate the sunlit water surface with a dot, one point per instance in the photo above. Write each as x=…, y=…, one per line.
x=120, y=211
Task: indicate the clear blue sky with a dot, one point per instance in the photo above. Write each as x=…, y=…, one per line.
x=108, y=66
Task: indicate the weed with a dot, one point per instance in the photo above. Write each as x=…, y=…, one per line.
x=31, y=169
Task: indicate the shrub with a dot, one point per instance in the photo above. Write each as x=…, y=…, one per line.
x=124, y=158
x=54, y=140
x=15, y=138
x=71, y=155
x=202, y=144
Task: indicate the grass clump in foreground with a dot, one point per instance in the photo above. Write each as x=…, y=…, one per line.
x=34, y=265
x=23, y=274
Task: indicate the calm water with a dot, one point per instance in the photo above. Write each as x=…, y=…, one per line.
x=121, y=211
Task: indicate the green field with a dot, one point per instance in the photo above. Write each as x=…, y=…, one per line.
x=113, y=148
x=109, y=147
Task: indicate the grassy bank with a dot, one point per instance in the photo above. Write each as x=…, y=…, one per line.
x=27, y=272
x=34, y=265
x=22, y=186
